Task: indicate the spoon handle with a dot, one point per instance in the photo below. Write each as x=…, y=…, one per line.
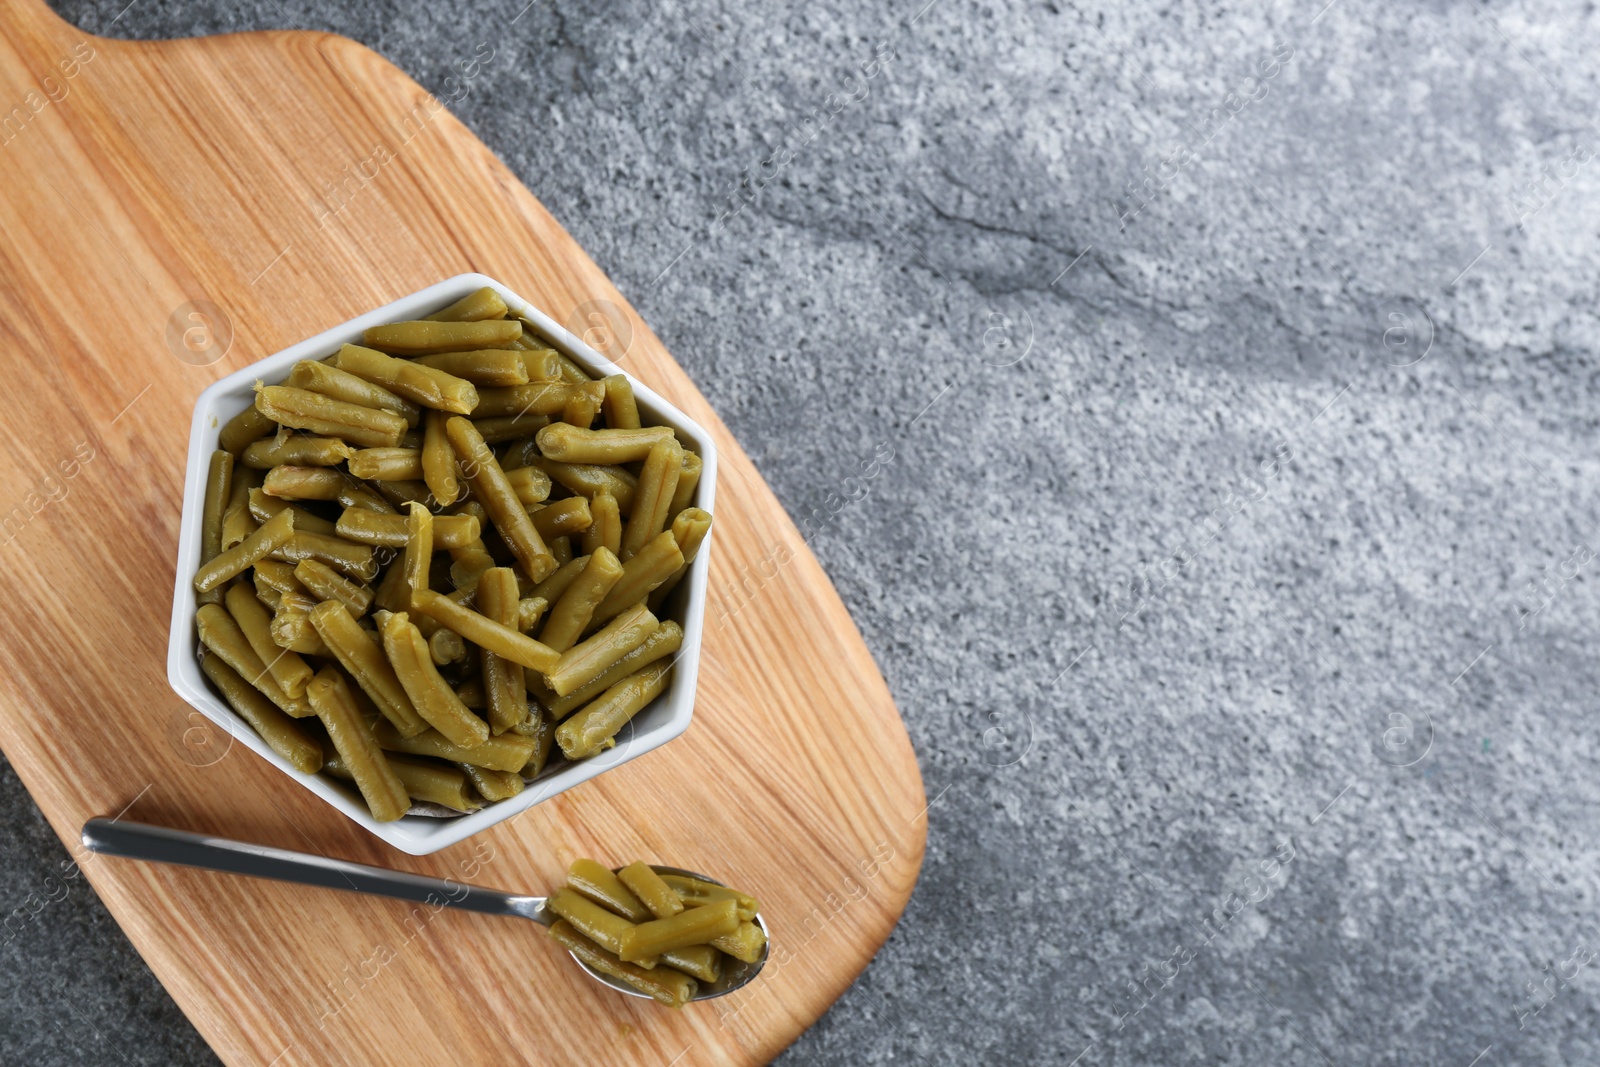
x=159, y=844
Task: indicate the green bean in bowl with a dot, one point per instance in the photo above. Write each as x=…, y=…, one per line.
x=436, y=563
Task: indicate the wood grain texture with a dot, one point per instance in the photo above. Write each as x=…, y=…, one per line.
x=162, y=173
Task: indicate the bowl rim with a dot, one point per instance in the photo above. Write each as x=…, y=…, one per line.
x=421, y=835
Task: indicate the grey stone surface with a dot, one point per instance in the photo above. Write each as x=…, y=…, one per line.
x=1237, y=537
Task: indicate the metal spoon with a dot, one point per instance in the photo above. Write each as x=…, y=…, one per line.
x=159, y=844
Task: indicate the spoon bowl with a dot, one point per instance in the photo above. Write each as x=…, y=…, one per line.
x=736, y=974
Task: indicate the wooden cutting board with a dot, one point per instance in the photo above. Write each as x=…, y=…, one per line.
x=164, y=204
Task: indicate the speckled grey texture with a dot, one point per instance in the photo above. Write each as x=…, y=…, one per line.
x=1234, y=568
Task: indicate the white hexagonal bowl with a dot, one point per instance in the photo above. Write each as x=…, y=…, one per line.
x=664, y=719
